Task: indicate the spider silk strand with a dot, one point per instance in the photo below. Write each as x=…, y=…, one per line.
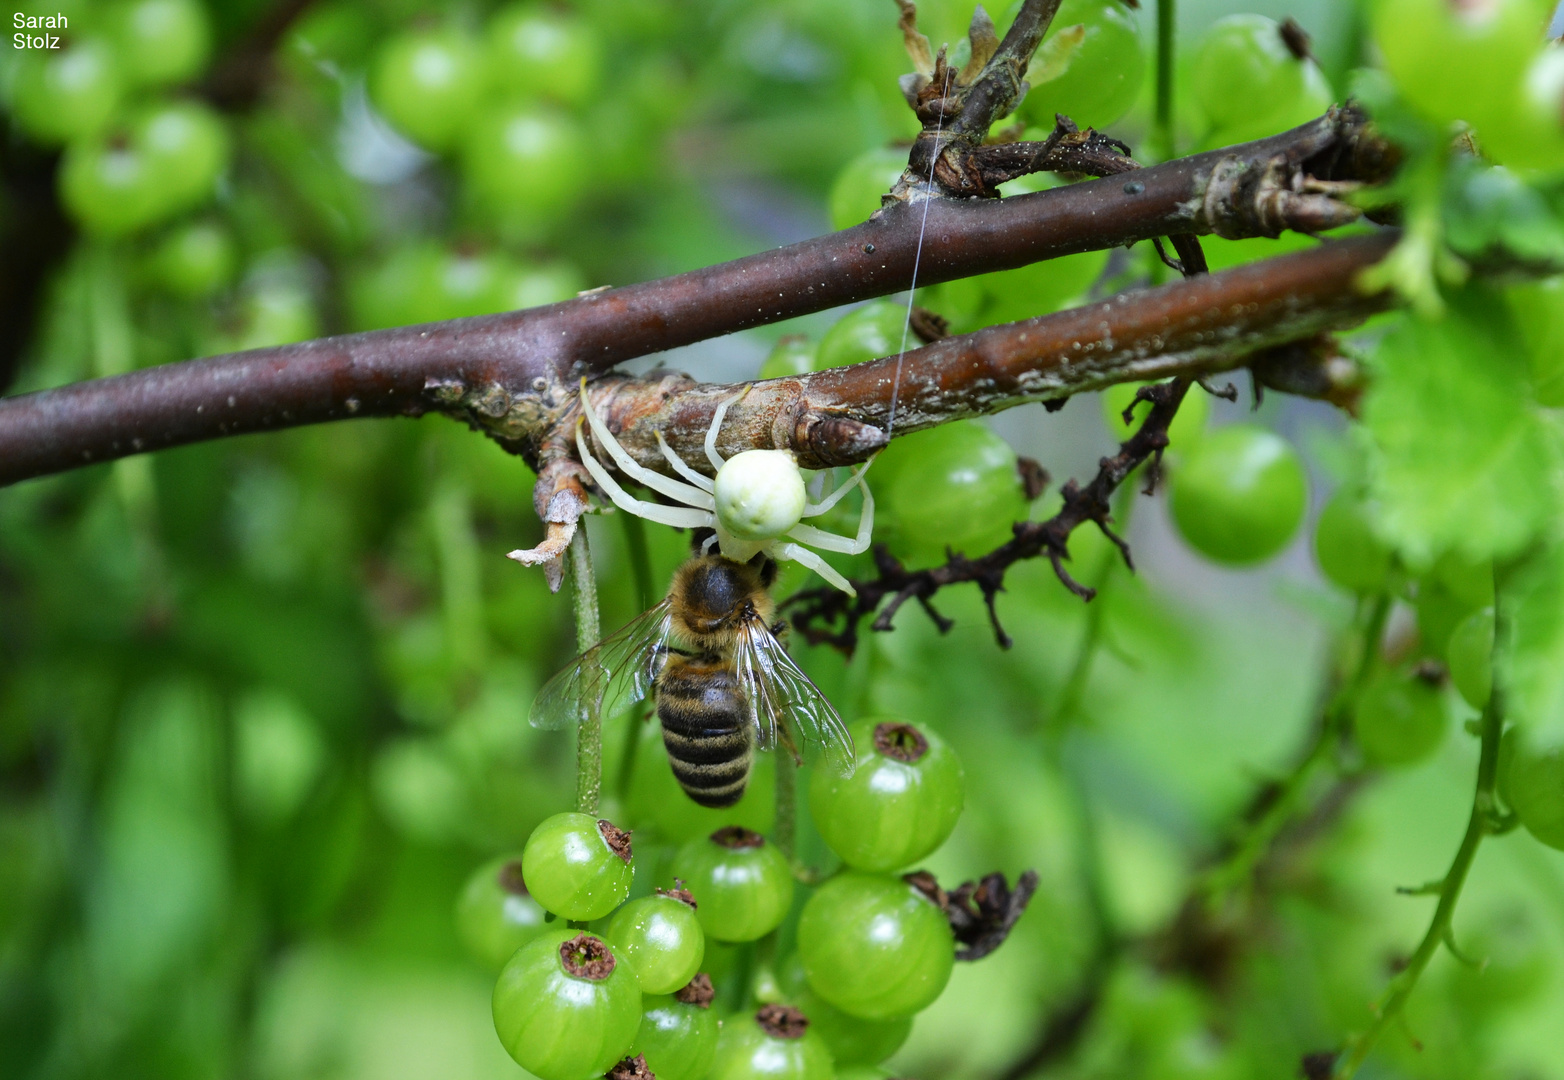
x=917, y=258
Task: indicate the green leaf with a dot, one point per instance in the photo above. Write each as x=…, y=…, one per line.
x=1489, y=210
x=1461, y=458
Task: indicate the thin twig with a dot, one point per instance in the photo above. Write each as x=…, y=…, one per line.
x=1387, y=1010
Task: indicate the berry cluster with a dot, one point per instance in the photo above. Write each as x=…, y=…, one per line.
x=622, y=986
x=135, y=155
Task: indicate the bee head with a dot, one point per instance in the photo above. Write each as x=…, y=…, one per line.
x=714, y=595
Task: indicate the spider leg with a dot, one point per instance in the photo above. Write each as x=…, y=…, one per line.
x=682, y=517
x=814, y=562
x=716, y=426
x=690, y=496
x=819, y=538
x=816, y=509
x=702, y=482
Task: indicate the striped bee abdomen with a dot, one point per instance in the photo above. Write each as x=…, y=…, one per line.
x=706, y=728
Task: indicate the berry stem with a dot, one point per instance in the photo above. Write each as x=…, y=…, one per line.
x=1387, y=1010
x=1167, y=16
x=589, y=737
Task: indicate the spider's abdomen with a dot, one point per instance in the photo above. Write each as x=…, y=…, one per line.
x=706, y=728
x=760, y=494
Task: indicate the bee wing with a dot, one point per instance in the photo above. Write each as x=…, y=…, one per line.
x=616, y=671
x=784, y=702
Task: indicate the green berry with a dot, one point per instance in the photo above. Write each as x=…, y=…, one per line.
x=875, y=946
x=1346, y=548
x=110, y=186
x=525, y=164
x=538, y=50
x=855, y=194
x=186, y=143
x=955, y=486
x=865, y=333
x=577, y=867
x=65, y=94
x=1534, y=786
x=774, y=1044
x=1418, y=38
x=1239, y=494
x=1470, y=656
x=565, y=1008
x=793, y=354
x=195, y=260
x=900, y=803
x=661, y=938
x=1400, y=719
x=742, y=885
x=678, y=1033
x=1249, y=84
x=1088, y=68
x=852, y=1040
x=495, y=915
x=428, y=84
x=162, y=41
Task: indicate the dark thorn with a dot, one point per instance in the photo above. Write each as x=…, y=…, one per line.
x=1162, y=253
x=1118, y=541
x=989, y=592
x=1055, y=404
x=1069, y=582
x=1256, y=390
x=1226, y=393
x=1034, y=478
x=941, y=622
x=929, y=326
x=1297, y=39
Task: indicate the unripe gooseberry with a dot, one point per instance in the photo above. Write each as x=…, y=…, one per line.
x=775, y=1044
x=760, y=494
x=495, y=914
x=578, y=867
x=678, y=1033
x=900, y=803
x=744, y=885
x=662, y=938
x=565, y=1008
x=875, y=946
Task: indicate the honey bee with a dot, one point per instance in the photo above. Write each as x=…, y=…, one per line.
x=723, y=683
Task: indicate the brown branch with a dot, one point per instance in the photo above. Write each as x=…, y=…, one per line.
x=514, y=374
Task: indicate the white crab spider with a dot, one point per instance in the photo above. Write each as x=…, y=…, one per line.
x=756, y=504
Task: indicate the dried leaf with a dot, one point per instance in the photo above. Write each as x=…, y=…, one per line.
x=917, y=45
x=1056, y=54
x=985, y=42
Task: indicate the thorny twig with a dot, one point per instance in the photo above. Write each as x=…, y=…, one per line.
x=826, y=615
x=981, y=913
